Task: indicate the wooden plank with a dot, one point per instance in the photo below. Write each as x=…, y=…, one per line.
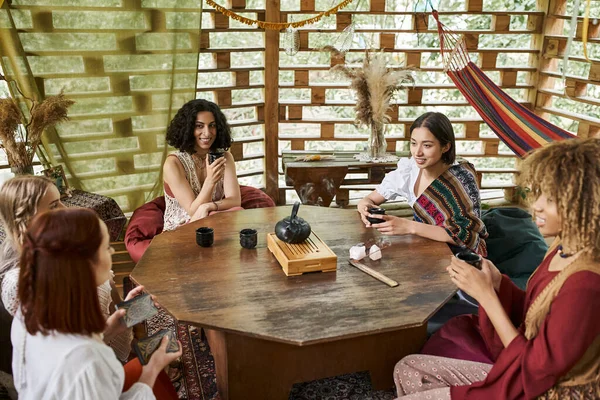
x=501, y=23
x=415, y=96
x=301, y=77
x=204, y=40
x=413, y=59
x=420, y=22
x=508, y=79
x=223, y=97
x=575, y=89
x=327, y=131
x=271, y=94
x=223, y=60
x=342, y=21
x=317, y=96
x=474, y=5
x=377, y=5
x=237, y=3
x=471, y=41
x=491, y=147
x=488, y=60
x=242, y=78
x=594, y=74
x=221, y=21
x=307, y=5
x=294, y=112
x=472, y=130
x=387, y=40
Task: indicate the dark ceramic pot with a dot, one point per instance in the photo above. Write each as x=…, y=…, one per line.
x=293, y=229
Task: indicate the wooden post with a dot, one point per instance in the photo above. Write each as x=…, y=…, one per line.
x=272, y=102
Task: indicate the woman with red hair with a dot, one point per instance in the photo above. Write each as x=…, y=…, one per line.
x=57, y=332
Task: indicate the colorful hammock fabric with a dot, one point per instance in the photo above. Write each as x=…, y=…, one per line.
x=519, y=128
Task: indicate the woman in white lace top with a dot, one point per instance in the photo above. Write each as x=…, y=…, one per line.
x=21, y=198
x=195, y=187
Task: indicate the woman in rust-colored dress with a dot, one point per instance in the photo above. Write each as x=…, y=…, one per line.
x=544, y=342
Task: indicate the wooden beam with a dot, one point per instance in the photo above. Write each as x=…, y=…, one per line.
x=273, y=14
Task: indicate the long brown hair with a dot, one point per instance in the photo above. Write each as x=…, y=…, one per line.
x=57, y=286
x=19, y=199
x=569, y=172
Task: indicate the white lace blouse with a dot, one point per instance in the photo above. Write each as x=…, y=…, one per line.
x=400, y=182
x=175, y=214
x=64, y=366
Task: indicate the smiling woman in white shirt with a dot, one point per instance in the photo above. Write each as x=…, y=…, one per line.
x=442, y=193
x=57, y=334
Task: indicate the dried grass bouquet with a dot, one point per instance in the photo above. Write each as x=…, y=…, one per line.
x=20, y=137
x=375, y=84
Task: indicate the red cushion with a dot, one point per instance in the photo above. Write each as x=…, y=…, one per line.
x=147, y=221
x=255, y=198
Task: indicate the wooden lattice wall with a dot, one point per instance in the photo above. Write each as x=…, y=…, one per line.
x=275, y=101
x=575, y=100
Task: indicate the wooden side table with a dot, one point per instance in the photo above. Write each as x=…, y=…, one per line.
x=317, y=182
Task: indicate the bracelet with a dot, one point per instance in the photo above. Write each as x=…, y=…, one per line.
x=216, y=205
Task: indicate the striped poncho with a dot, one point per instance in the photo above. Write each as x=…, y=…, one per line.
x=452, y=202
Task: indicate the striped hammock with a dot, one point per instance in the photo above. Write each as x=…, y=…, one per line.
x=519, y=128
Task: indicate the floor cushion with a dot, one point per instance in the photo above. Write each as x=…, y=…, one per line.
x=515, y=244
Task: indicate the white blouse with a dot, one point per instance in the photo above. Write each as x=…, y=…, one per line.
x=63, y=366
x=400, y=182
x=121, y=343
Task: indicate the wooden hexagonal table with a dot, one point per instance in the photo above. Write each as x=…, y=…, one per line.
x=268, y=331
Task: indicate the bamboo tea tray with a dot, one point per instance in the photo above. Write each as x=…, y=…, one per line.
x=312, y=255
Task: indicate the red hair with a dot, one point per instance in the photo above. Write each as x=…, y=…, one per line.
x=57, y=284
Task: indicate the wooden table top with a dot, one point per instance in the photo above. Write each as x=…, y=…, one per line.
x=229, y=288
x=342, y=158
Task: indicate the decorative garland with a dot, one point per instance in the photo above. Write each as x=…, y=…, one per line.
x=277, y=26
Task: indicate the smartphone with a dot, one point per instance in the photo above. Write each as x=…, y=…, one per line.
x=138, y=309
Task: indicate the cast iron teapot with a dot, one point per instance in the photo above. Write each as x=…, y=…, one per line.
x=293, y=229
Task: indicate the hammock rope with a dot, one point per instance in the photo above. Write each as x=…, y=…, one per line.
x=518, y=127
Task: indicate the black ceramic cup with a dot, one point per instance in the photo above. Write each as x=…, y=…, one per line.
x=470, y=257
x=212, y=156
x=205, y=237
x=248, y=238
x=376, y=210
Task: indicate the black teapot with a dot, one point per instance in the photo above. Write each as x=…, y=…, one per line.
x=293, y=229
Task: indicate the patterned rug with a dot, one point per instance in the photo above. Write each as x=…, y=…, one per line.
x=194, y=377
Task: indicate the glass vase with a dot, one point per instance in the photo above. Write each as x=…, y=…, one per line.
x=377, y=144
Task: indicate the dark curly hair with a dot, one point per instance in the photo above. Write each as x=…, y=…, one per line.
x=180, y=133
x=440, y=126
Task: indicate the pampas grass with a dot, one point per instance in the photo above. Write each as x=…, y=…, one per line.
x=375, y=85
x=20, y=137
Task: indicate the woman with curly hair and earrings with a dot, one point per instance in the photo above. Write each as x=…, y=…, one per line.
x=57, y=332
x=545, y=342
x=195, y=186
x=442, y=193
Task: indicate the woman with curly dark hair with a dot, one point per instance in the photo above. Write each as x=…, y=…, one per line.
x=197, y=184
